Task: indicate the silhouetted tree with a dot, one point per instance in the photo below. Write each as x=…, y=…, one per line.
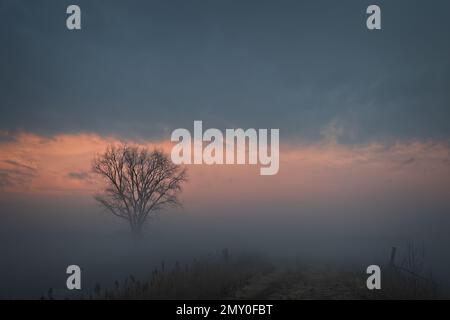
x=138, y=183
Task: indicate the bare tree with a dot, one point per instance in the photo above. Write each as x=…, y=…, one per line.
x=138, y=183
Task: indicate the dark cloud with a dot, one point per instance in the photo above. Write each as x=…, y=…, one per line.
x=14, y=178
x=79, y=175
x=15, y=163
x=409, y=161
x=143, y=68
x=16, y=173
x=7, y=137
x=5, y=179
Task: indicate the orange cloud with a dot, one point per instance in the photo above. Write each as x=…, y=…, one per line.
x=61, y=164
x=57, y=164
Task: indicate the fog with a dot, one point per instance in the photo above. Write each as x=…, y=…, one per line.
x=41, y=236
x=363, y=116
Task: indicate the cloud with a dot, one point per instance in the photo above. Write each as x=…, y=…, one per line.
x=19, y=164
x=60, y=163
x=409, y=161
x=79, y=175
x=15, y=179
x=6, y=136
x=5, y=179
x=212, y=64
x=63, y=164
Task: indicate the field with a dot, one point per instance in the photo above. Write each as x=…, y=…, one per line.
x=250, y=277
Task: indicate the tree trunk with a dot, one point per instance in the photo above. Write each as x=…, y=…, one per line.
x=137, y=232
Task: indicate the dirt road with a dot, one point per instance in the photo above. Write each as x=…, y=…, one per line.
x=305, y=283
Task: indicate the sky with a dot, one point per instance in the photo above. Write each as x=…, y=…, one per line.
x=363, y=119
x=143, y=68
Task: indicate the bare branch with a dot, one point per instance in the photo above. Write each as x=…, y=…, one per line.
x=137, y=182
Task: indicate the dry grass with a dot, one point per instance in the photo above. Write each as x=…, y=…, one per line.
x=249, y=277
x=209, y=279
x=399, y=285
x=409, y=279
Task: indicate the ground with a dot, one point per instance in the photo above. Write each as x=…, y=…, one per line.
x=304, y=283
x=256, y=279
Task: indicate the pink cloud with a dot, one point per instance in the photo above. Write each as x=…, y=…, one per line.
x=61, y=164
